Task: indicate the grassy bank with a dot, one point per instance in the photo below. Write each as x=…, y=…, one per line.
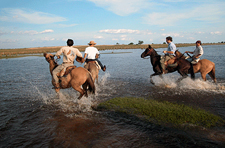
x=162, y=112
x=7, y=53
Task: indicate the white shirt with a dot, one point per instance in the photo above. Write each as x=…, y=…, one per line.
x=198, y=50
x=91, y=52
x=69, y=53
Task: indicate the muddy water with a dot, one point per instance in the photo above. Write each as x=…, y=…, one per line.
x=32, y=115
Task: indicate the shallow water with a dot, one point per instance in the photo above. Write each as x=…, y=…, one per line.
x=33, y=115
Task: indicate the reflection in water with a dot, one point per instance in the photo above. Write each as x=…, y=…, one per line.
x=33, y=115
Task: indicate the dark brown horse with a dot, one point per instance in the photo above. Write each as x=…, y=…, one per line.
x=76, y=77
x=204, y=66
x=181, y=65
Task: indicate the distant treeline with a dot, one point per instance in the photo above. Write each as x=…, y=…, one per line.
x=4, y=53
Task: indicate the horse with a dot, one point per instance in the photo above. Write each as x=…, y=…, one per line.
x=74, y=77
x=181, y=65
x=93, y=69
x=203, y=66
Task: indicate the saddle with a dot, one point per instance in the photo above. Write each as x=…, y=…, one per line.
x=95, y=62
x=195, y=61
x=65, y=71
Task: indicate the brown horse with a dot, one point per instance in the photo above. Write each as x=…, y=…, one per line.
x=75, y=77
x=93, y=69
x=182, y=66
x=204, y=66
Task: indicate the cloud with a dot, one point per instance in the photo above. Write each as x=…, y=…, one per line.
x=210, y=13
x=48, y=39
x=31, y=17
x=33, y=32
x=172, y=34
x=118, y=31
x=98, y=37
x=47, y=31
x=122, y=7
x=125, y=31
x=216, y=33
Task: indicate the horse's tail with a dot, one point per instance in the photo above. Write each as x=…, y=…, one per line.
x=192, y=71
x=90, y=83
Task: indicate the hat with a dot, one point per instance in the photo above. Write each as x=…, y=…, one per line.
x=199, y=42
x=91, y=43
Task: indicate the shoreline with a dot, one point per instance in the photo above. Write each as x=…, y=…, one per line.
x=23, y=52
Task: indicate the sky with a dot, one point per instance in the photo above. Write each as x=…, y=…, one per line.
x=44, y=23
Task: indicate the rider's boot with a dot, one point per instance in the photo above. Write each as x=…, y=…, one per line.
x=164, y=71
x=104, y=68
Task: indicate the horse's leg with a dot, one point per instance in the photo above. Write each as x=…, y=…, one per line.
x=85, y=89
x=213, y=75
x=203, y=76
x=154, y=74
x=79, y=89
x=183, y=76
x=97, y=79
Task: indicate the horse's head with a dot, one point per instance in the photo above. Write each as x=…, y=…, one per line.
x=178, y=54
x=48, y=57
x=147, y=52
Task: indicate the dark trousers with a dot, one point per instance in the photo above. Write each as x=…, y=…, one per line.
x=87, y=60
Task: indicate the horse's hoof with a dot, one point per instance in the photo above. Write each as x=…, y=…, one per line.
x=57, y=90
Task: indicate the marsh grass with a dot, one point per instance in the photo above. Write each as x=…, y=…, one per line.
x=162, y=112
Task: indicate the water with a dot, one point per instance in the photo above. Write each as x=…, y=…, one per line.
x=33, y=115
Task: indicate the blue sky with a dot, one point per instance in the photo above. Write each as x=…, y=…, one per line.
x=40, y=23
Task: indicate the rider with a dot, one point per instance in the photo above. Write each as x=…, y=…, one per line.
x=69, y=54
x=92, y=54
x=169, y=53
x=196, y=53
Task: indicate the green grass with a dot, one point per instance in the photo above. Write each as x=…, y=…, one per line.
x=162, y=112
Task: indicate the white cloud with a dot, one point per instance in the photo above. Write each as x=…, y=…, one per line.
x=125, y=31
x=216, y=33
x=48, y=39
x=32, y=17
x=172, y=34
x=210, y=13
x=119, y=31
x=122, y=7
x=98, y=37
x=33, y=32
x=47, y=31
x=163, y=19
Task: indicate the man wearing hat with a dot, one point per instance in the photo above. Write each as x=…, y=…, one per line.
x=196, y=53
x=92, y=54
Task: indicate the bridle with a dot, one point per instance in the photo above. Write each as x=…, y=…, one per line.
x=150, y=50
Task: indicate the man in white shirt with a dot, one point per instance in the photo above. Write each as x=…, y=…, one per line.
x=69, y=54
x=169, y=53
x=92, y=54
x=197, y=53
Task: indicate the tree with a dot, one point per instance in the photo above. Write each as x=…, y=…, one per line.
x=131, y=43
x=140, y=42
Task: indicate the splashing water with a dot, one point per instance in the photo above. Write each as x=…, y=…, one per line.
x=44, y=97
x=169, y=81
x=67, y=99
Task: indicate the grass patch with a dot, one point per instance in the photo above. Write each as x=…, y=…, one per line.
x=162, y=112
